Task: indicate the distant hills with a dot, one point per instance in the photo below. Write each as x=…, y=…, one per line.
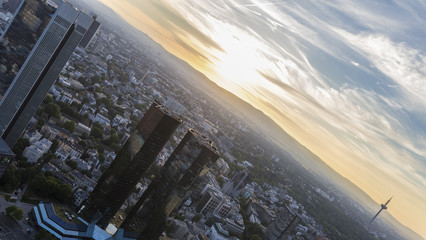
x=260, y=122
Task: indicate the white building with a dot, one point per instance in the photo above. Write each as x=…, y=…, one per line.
x=119, y=121
x=81, y=128
x=34, y=152
x=218, y=232
x=79, y=196
x=62, y=154
x=102, y=120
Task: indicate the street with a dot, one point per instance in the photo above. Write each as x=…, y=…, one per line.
x=14, y=229
x=11, y=230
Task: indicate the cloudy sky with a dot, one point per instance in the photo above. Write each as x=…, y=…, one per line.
x=347, y=79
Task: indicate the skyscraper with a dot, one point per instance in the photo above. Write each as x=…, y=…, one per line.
x=6, y=155
x=42, y=66
x=183, y=166
x=238, y=181
x=382, y=207
x=90, y=32
x=136, y=156
x=282, y=226
x=23, y=33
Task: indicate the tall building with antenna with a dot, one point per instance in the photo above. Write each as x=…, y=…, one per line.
x=383, y=207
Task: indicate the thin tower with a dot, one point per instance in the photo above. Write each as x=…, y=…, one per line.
x=383, y=207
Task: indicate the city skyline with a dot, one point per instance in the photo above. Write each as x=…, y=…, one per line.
x=343, y=83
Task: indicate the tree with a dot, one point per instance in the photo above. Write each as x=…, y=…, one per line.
x=71, y=163
x=101, y=157
x=96, y=132
x=18, y=214
x=255, y=237
x=20, y=146
x=11, y=178
x=113, y=139
x=55, y=144
x=15, y=212
x=44, y=235
x=252, y=229
x=69, y=125
x=40, y=123
x=11, y=209
x=196, y=218
x=84, y=135
x=96, y=79
x=220, y=180
x=53, y=110
x=48, y=99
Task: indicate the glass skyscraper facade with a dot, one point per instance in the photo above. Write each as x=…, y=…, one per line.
x=183, y=166
x=23, y=33
x=43, y=64
x=131, y=163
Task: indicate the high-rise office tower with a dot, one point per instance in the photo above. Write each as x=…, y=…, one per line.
x=6, y=155
x=238, y=181
x=282, y=226
x=31, y=19
x=90, y=32
x=183, y=166
x=41, y=68
x=136, y=156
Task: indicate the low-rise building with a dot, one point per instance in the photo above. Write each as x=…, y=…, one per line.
x=81, y=128
x=234, y=226
x=218, y=232
x=79, y=196
x=35, y=151
x=62, y=154
x=49, y=132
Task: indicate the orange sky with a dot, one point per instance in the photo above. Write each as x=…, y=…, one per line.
x=234, y=58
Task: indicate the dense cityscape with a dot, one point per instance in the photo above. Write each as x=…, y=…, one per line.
x=108, y=142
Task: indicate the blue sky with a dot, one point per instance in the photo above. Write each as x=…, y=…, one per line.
x=347, y=79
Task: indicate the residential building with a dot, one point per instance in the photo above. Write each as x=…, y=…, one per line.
x=81, y=128
x=104, y=121
x=218, y=232
x=79, y=196
x=62, y=154
x=234, y=226
x=35, y=151
x=49, y=132
x=33, y=136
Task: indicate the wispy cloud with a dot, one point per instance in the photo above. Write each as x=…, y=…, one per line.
x=345, y=78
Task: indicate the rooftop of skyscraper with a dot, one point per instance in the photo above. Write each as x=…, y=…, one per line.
x=205, y=141
x=166, y=111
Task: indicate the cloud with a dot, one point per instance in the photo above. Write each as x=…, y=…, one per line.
x=346, y=78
